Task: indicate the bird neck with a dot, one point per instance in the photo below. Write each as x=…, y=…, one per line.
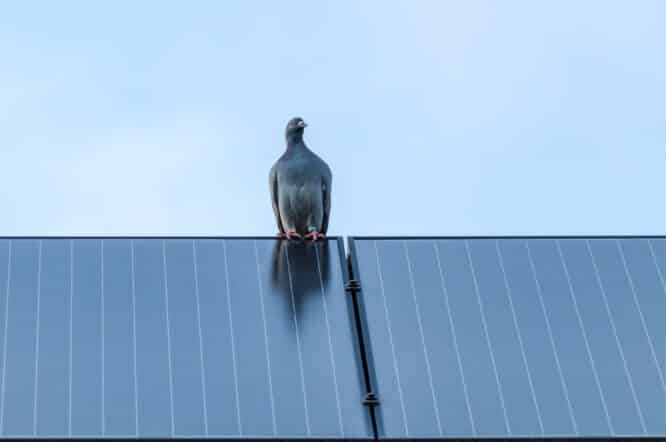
x=295, y=141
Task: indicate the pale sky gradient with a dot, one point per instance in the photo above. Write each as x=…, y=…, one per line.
x=436, y=117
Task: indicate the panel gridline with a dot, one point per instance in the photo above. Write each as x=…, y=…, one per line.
x=176, y=338
x=516, y=337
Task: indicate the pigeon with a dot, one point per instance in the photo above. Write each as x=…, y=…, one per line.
x=300, y=185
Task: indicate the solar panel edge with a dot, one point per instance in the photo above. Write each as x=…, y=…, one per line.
x=155, y=237
x=500, y=237
x=364, y=346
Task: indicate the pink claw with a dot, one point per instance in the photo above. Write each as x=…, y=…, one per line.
x=291, y=234
x=315, y=236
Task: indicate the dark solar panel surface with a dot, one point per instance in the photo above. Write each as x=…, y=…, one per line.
x=516, y=337
x=177, y=337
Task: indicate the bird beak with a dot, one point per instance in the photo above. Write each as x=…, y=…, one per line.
x=302, y=124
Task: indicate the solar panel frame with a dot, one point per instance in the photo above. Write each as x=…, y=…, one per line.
x=365, y=343
x=105, y=241
x=357, y=308
x=354, y=265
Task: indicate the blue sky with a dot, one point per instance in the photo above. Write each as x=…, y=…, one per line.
x=439, y=117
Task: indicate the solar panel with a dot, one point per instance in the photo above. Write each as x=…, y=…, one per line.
x=177, y=338
x=515, y=337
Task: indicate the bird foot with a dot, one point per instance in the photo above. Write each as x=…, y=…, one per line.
x=290, y=234
x=315, y=236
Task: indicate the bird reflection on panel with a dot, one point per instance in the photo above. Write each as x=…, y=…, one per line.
x=300, y=274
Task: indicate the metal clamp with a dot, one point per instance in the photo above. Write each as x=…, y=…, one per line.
x=370, y=399
x=353, y=286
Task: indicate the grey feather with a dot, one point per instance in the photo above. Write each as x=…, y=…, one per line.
x=326, y=196
x=300, y=185
x=273, y=184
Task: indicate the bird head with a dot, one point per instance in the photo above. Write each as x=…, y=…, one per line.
x=295, y=128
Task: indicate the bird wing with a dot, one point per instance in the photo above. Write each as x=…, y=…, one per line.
x=273, y=185
x=326, y=198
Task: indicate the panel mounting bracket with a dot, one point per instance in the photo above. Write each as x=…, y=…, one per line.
x=353, y=286
x=370, y=399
